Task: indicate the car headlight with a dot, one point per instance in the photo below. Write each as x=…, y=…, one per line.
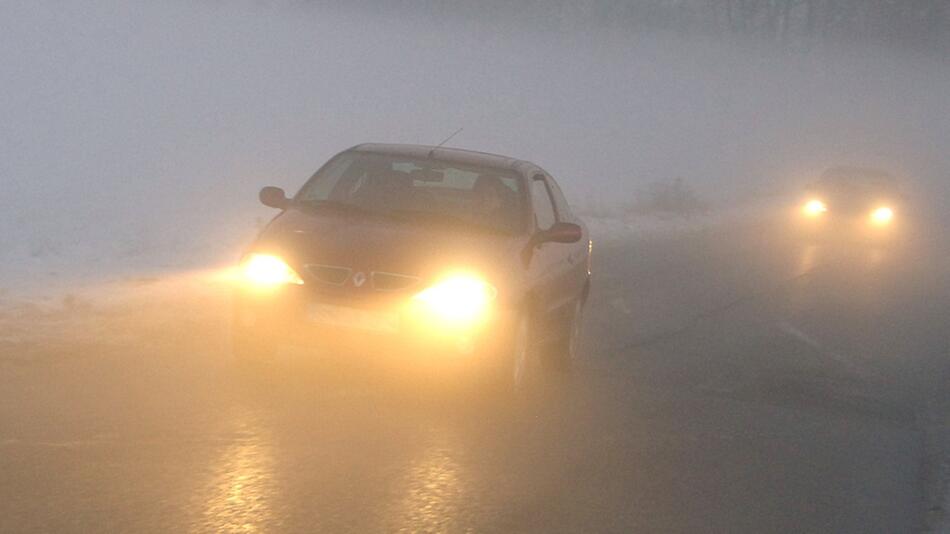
x=882, y=215
x=815, y=207
x=267, y=270
x=458, y=299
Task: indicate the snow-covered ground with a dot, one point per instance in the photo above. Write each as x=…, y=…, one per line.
x=27, y=273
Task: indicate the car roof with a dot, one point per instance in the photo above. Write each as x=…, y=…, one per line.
x=857, y=174
x=449, y=155
x=855, y=178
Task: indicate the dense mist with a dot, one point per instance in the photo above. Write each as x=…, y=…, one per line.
x=143, y=131
x=728, y=338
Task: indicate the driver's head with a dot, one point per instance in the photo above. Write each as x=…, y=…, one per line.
x=489, y=192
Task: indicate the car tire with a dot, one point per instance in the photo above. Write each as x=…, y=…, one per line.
x=564, y=352
x=516, y=366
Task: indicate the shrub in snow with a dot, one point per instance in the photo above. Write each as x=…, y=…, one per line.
x=668, y=199
x=43, y=247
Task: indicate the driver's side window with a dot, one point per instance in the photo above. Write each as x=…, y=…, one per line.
x=541, y=201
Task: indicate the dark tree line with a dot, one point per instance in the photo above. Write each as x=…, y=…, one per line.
x=922, y=24
x=918, y=23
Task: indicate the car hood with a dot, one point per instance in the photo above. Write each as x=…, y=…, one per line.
x=367, y=244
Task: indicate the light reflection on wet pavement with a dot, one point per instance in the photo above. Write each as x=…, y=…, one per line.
x=241, y=489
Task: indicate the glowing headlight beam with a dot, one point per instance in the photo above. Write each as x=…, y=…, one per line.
x=458, y=299
x=267, y=270
x=882, y=215
x=814, y=208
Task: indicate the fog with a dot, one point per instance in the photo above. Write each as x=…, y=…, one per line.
x=143, y=131
x=725, y=369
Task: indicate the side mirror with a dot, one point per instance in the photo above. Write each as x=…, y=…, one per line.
x=562, y=232
x=274, y=197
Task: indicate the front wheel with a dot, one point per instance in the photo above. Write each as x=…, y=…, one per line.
x=516, y=366
x=565, y=351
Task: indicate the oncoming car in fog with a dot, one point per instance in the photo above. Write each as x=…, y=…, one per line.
x=431, y=256
x=852, y=201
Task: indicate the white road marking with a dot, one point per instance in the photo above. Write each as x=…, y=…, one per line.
x=818, y=347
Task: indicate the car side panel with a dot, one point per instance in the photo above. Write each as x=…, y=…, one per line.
x=558, y=270
x=572, y=275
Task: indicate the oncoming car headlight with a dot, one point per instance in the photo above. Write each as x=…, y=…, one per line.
x=882, y=215
x=268, y=271
x=458, y=299
x=814, y=208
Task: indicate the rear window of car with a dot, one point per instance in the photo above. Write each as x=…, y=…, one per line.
x=856, y=180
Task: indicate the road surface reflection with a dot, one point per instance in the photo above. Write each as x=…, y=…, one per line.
x=433, y=488
x=240, y=493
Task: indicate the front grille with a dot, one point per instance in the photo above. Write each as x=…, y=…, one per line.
x=379, y=281
x=391, y=281
x=329, y=274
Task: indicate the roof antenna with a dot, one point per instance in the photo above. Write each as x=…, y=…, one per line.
x=446, y=140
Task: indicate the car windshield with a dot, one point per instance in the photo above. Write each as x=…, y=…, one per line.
x=855, y=182
x=419, y=190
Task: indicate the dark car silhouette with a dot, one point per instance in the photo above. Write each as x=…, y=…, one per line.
x=424, y=255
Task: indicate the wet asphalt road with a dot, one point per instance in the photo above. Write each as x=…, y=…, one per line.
x=734, y=380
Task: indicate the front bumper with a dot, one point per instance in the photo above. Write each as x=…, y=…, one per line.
x=849, y=227
x=383, y=327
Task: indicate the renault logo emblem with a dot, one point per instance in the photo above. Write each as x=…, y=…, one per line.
x=359, y=279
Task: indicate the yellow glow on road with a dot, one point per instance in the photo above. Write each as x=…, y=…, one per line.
x=267, y=270
x=882, y=216
x=814, y=208
x=242, y=490
x=458, y=299
x=435, y=490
